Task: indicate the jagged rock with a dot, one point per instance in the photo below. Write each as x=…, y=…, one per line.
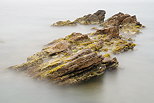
x=57, y=47
x=64, y=23
x=125, y=22
x=77, y=37
x=113, y=31
x=60, y=63
x=79, y=57
x=96, y=18
x=120, y=19
x=75, y=58
x=72, y=69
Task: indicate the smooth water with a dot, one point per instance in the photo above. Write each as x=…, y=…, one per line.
x=25, y=28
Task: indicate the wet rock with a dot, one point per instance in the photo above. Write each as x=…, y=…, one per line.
x=77, y=37
x=68, y=60
x=122, y=47
x=64, y=23
x=113, y=31
x=96, y=18
x=125, y=22
x=110, y=63
x=75, y=58
x=79, y=63
x=72, y=69
x=82, y=76
x=79, y=57
x=120, y=19
x=57, y=47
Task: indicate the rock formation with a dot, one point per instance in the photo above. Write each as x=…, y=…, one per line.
x=125, y=22
x=96, y=18
x=79, y=57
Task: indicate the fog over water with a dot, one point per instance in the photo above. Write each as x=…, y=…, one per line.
x=25, y=28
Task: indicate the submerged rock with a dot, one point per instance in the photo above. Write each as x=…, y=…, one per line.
x=79, y=57
x=96, y=18
x=64, y=23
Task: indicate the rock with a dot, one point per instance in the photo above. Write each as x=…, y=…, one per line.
x=80, y=63
x=120, y=19
x=79, y=57
x=73, y=69
x=117, y=19
x=64, y=23
x=82, y=76
x=57, y=47
x=77, y=37
x=75, y=58
x=112, y=31
x=110, y=63
x=125, y=22
x=62, y=65
x=96, y=18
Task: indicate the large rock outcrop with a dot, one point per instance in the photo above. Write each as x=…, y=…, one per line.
x=79, y=57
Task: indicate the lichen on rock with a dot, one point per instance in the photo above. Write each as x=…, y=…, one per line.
x=126, y=23
x=79, y=57
x=120, y=19
x=96, y=18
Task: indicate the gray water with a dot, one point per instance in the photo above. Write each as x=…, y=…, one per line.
x=25, y=28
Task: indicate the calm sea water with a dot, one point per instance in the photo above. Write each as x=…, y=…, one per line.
x=25, y=28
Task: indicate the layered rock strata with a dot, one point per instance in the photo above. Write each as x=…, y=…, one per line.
x=79, y=57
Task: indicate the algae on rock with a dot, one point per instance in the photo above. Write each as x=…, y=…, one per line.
x=96, y=18
x=79, y=57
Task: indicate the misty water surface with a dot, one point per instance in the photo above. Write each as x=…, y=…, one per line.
x=25, y=28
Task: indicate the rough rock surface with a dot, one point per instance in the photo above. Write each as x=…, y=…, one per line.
x=75, y=58
x=79, y=57
x=96, y=18
x=120, y=19
x=126, y=23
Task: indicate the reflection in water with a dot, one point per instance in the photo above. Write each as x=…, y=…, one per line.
x=25, y=28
